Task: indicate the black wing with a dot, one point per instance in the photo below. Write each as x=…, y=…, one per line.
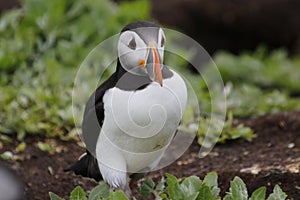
x=94, y=115
x=93, y=118
x=86, y=166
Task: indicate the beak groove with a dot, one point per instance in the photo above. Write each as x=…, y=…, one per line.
x=153, y=65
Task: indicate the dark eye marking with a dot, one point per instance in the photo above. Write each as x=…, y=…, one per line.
x=162, y=43
x=132, y=44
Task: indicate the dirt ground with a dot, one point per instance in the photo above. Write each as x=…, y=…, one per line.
x=273, y=157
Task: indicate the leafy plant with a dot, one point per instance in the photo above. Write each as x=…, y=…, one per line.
x=189, y=188
x=246, y=100
x=252, y=87
x=211, y=127
x=41, y=44
x=99, y=192
x=256, y=82
x=268, y=70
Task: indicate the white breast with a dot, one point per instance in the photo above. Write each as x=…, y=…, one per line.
x=139, y=125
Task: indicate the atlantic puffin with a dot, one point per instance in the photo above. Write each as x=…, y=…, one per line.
x=130, y=120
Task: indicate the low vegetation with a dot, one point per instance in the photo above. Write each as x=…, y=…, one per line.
x=190, y=188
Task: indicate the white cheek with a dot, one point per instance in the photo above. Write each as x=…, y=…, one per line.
x=130, y=59
x=123, y=49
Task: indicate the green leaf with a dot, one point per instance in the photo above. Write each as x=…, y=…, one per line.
x=192, y=196
x=78, y=194
x=100, y=191
x=117, y=195
x=54, y=196
x=205, y=193
x=212, y=127
x=147, y=187
x=21, y=134
x=21, y=147
x=5, y=138
x=163, y=196
x=228, y=197
x=161, y=185
x=190, y=186
x=259, y=194
x=44, y=146
x=277, y=194
x=211, y=179
x=173, y=187
x=7, y=155
x=238, y=189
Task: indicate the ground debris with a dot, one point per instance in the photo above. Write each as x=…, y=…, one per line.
x=255, y=162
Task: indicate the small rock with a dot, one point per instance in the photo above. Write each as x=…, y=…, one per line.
x=282, y=124
x=291, y=145
x=293, y=168
x=203, y=154
x=214, y=154
x=19, y=157
x=179, y=163
x=50, y=170
x=255, y=169
x=269, y=144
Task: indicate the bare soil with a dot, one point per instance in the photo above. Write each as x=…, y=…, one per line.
x=273, y=157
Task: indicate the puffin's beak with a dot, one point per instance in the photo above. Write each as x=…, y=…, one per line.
x=153, y=65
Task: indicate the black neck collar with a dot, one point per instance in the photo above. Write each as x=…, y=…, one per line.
x=129, y=81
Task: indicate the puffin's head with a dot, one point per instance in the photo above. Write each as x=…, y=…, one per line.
x=141, y=49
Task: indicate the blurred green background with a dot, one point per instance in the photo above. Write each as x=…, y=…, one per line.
x=42, y=44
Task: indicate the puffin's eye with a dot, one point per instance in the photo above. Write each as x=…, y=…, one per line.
x=132, y=44
x=162, y=43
